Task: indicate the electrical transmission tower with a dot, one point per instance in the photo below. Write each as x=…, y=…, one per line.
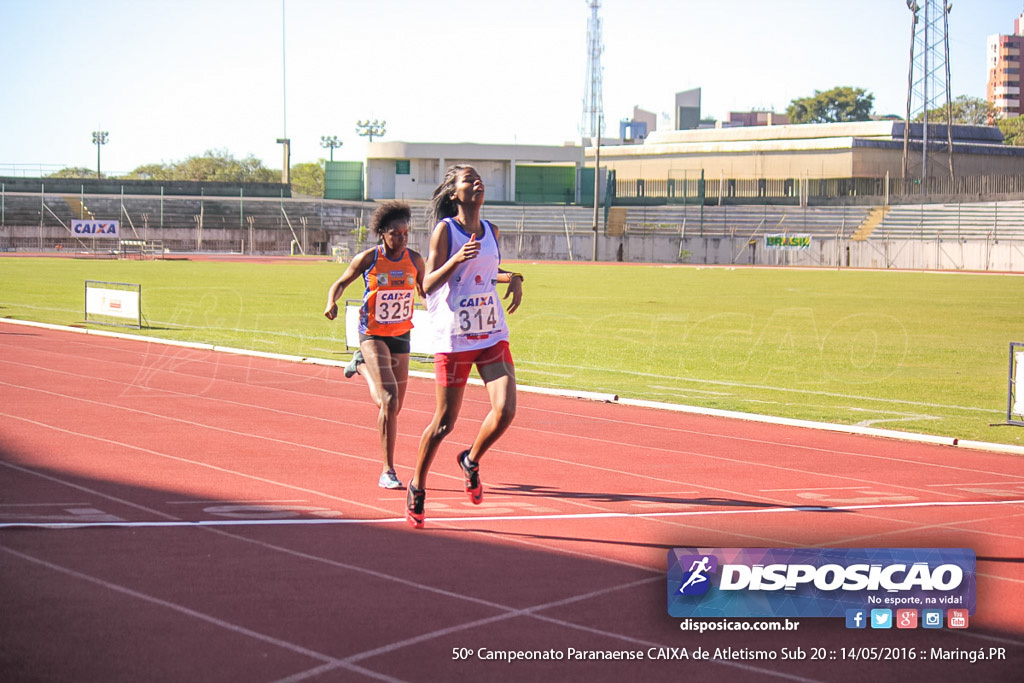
x=928, y=81
x=593, y=99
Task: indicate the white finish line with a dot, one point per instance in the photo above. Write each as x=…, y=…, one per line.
x=507, y=518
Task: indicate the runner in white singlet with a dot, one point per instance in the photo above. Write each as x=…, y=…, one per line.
x=467, y=328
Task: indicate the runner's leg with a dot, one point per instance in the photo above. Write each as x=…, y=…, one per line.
x=449, y=402
x=500, y=381
x=379, y=370
x=499, y=378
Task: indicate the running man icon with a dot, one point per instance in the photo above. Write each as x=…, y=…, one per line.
x=699, y=569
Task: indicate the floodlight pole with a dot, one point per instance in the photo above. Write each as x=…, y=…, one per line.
x=99, y=138
x=286, y=172
x=597, y=182
x=371, y=129
x=284, y=76
x=330, y=142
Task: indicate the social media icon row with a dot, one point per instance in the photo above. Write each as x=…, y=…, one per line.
x=905, y=618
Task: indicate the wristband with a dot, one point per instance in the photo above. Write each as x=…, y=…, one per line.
x=518, y=275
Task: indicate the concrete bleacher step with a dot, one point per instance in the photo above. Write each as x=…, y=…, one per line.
x=77, y=208
x=968, y=221
x=539, y=218
x=616, y=221
x=746, y=220
x=873, y=220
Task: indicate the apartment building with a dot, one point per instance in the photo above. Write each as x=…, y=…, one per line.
x=1004, y=82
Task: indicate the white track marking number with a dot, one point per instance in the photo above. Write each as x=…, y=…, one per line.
x=58, y=514
x=858, y=497
x=271, y=511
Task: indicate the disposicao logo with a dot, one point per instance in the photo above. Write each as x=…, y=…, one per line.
x=818, y=582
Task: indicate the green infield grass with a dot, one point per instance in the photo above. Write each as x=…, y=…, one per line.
x=918, y=352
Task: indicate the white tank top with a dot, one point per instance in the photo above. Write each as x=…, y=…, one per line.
x=466, y=312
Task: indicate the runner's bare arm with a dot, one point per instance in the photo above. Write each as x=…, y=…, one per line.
x=439, y=266
x=357, y=267
x=421, y=267
x=514, y=280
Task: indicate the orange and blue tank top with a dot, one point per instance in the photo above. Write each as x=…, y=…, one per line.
x=390, y=289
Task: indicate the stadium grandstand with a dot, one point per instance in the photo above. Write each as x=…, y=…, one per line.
x=837, y=223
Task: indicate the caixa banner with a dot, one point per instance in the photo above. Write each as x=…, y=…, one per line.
x=818, y=582
x=92, y=228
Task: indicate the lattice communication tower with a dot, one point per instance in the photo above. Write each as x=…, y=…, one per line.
x=593, y=98
x=928, y=82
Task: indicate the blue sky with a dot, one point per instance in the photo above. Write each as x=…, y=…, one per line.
x=172, y=78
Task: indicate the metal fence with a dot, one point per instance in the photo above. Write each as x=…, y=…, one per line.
x=697, y=189
x=42, y=220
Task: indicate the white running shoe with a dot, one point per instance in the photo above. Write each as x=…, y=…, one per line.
x=353, y=365
x=389, y=480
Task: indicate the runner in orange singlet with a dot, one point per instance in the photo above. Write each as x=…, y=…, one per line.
x=392, y=275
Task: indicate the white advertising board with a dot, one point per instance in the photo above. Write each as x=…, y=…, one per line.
x=1018, y=390
x=93, y=228
x=118, y=303
x=113, y=303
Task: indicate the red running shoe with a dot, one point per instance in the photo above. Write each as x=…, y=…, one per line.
x=414, y=507
x=471, y=471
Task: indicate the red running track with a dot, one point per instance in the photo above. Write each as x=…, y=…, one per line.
x=176, y=514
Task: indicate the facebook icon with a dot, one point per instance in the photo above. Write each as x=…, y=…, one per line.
x=856, y=618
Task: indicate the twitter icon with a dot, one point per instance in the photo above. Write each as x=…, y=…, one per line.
x=881, y=618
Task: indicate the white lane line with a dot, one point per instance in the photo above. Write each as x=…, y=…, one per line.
x=508, y=518
x=34, y=505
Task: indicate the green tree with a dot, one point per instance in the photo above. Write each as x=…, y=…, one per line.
x=211, y=166
x=308, y=178
x=220, y=166
x=73, y=172
x=1013, y=130
x=966, y=110
x=151, y=172
x=838, y=104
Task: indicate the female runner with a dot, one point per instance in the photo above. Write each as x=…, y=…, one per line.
x=392, y=274
x=467, y=328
